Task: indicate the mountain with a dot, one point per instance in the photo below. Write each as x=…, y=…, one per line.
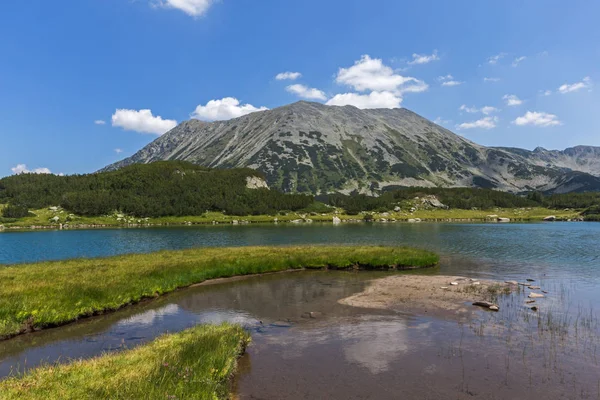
x=311, y=147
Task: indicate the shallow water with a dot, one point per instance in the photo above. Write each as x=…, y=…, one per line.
x=355, y=353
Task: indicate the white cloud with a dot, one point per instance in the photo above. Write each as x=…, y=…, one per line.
x=306, y=92
x=142, y=121
x=370, y=74
x=486, y=79
x=224, y=109
x=545, y=92
x=468, y=109
x=512, y=100
x=441, y=121
x=22, y=169
x=493, y=60
x=194, y=8
x=100, y=122
x=518, y=60
x=424, y=58
x=584, y=84
x=487, y=110
x=452, y=83
x=448, y=80
x=118, y=151
x=484, y=123
x=537, y=119
x=292, y=76
x=371, y=100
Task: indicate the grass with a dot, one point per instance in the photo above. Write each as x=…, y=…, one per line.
x=197, y=363
x=42, y=217
x=35, y=296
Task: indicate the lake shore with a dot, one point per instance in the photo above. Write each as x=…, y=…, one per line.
x=49, y=294
x=42, y=219
x=195, y=363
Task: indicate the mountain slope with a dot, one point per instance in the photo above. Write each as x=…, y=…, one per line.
x=310, y=147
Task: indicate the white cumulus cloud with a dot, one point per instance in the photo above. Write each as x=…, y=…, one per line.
x=194, y=8
x=306, y=93
x=22, y=169
x=537, y=119
x=518, y=60
x=512, y=100
x=545, y=92
x=424, y=58
x=224, y=109
x=118, y=151
x=483, y=123
x=370, y=74
x=371, y=100
x=142, y=121
x=292, y=76
x=586, y=83
x=100, y=122
x=491, y=79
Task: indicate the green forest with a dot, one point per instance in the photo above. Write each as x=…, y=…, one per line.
x=176, y=188
x=166, y=188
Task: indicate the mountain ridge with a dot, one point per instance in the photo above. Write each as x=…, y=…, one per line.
x=311, y=147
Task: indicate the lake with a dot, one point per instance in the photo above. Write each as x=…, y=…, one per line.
x=352, y=352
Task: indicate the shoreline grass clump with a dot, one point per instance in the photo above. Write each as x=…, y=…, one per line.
x=46, y=294
x=197, y=363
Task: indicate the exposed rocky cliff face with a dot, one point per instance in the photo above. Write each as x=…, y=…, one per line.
x=310, y=147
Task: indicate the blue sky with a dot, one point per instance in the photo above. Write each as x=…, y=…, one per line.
x=84, y=83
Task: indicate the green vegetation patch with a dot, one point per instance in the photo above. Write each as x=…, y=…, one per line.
x=194, y=364
x=35, y=296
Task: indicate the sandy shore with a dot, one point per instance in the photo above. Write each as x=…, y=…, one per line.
x=435, y=295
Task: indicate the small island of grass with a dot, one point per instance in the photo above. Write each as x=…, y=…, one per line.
x=194, y=364
x=46, y=294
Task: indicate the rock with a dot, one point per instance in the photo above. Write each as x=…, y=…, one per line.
x=297, y=221
x=543, y=291
x=487, y=304
x=492, y=216
x=412, y=220
x=550, y=218
x=512, y=282
x=308, y=220
x=336, y=220
x=254, y=182
x=53, y=208
x=385, y=214
x=530, y=280
x=535, y=295
x=534, y=308
x=417, y=219
x=476, y=283
x=503, y=219
x=120, y=216
x=397, y=209
x=530, y=301
x=533, y=287
x=444, y=287
x=454, y=283
x=383, y=220
x=315, y=314
x=235, y=222
x=55, y=219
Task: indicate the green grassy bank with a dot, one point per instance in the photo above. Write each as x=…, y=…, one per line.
x=42, y=218
x=194, y=364
x=35, y=296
